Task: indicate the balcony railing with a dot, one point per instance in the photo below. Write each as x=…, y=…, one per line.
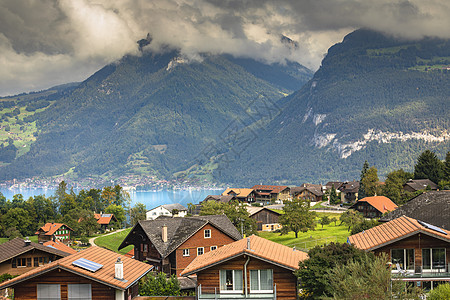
x=419, y=272
x=208, y=292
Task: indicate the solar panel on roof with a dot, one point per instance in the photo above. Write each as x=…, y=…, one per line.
x=87, y=264
x=432, y=227
x=106, y=215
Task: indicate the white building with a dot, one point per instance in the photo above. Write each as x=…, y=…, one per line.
x=167, y=210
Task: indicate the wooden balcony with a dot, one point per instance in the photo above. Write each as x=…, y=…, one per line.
x=206, y=292
x=419, y=273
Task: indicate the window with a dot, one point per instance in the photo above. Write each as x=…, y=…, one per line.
x=231, y=280
x=145, y=247
x=48, y=291
x=433, y=259
x=261, y=280
x=29, y=262
x=213, y=248
x=185, y=252
x=200, y=250
x=207, y=233
x=36, y=262
x=404, y=258
x=79, y=291
x=19, y=262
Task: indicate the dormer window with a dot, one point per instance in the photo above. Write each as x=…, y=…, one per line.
x=207, y=233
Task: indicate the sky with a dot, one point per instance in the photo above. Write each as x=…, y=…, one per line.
x=49, y=42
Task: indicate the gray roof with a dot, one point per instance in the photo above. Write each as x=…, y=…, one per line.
x=16, y=247
x=181, y=229
x=220, y=198
x=173, y=206
x=432, y=207
x=421, y=184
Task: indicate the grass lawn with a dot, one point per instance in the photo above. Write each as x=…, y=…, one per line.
x=113, y=241
x=33, y=238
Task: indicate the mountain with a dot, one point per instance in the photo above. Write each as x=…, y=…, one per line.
x=374, y=98
x=152, y=114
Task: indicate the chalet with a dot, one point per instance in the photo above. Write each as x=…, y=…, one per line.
x=170, y=210
x=170, y=244
x=432, y=207
x=18, y=256
x=311, y=192
x=420, y=252
x=414, y=185
x=94, y=273
x=105, y=220
x=266, y=193
x=249, y=268
x=374, y=207
x=219, y=198
x=266, y=219
x=337, y=185
x=243, y=195
x=349, y=191
x=54, y=231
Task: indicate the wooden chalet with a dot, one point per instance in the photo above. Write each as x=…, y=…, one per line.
x=266, y=219
x=219, y=198
x=374, y=207
x=419, y=252
x=94, y=273
x=414, y=185
x=54, y=231
x=253, y=268
x=266, y=193
x=349, y=191
x=432, y=207
x=105, y=220
x=242, y=195
x=18, y=256
x=170, y=244
x=311, y=192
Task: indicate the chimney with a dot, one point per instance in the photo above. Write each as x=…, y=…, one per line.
x=118, y=269
x=27, y=241
x=248, y=244
x=164, y=233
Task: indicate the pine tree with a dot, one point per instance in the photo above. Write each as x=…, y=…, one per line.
x=362, y=191
x=447, y=167
x=429, y=166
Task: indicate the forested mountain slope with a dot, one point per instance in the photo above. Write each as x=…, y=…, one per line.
x=374, y=98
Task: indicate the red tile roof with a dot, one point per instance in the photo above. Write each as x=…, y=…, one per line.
x=259, y=248
x=51, y=228
x=133, y=269
x=381, y=203
x=239, y=192
x=104, y=219
x=274, y=189
x=392, y=231
x=60, y=246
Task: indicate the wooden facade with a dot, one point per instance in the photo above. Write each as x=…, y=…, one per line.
x=26, y=262
x=266, y=220
x=367, y=210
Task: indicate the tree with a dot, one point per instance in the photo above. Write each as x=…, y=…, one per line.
x=351, y=218
x=297, y=217
x=393, y=187
x=137, y=213
x=313, y=272
x=429, y=166
x=363, y=225
x=446, y=167
x=324, y=221
x=18, y=218
x=159, y=285
x=370, y=182
x=118, y=211
x=333, y=220
x=440, y=292
x=362, y=190
x=333, y=196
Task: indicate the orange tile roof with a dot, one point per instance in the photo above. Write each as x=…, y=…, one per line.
x=60, y=246
x=51, y=228
x=272, y=188
x=259, y=248
x=381, y=203
x=104, y=219
x=392, y=231
x=133, y=269
x=238, y=192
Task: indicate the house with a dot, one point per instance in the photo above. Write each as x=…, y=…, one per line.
x=349, y=191
x=336, y=184
x=374, y=207
x=54, y=231
x=94, y=273
x=249, y=268
x=414, y=185
x=432, y=207
x=311, y=192
x=18, y=256
x=266, y=219
x=420, y=252
x=171, y=210
x=219, y=198
x=60, y=246
x=105, y=220
x=242, y=195
x=170, y=244
x=266, y=193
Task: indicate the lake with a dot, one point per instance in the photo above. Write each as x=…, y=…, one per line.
x=151, y=199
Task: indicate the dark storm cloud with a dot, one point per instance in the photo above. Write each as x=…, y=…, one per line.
x=48, y=42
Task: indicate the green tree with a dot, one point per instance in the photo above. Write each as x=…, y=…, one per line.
x=324, y=221
x=363, y=225
x=351, y=218
x=313, y=272
x=370, y=182
x=333, y=220
x=446, y=167
x=393, y=187
x=118, y=211
x=362, y=191
x=297, y=217
x=137, y=213
x=333, y=196
x=19, y=218
x=442, y=291
x=159, y=285
x=429, y=166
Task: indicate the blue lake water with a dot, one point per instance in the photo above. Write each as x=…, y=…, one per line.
x=151, y=199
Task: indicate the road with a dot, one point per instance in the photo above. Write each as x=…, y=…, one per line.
x=91, y=240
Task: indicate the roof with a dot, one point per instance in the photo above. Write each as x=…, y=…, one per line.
x=393, y=231
x=260, y=248
x=381, y=203
x=421, y=184
x=274, y=189
x=350, y=187
x=51, y=228
x=104, y=219
x=16, y=247
x=133, y=269
x=180, y=229
x=177, y=206
x=238, y=192
x=336, y=184
x=314, y=189
x=252, y=210
x=60, y=246
x=432, y=207
x=219, y=198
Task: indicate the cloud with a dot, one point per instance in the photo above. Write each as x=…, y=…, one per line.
x=48, y=42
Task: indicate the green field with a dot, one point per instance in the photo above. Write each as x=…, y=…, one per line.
x=33, y=238
x=113, y=241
